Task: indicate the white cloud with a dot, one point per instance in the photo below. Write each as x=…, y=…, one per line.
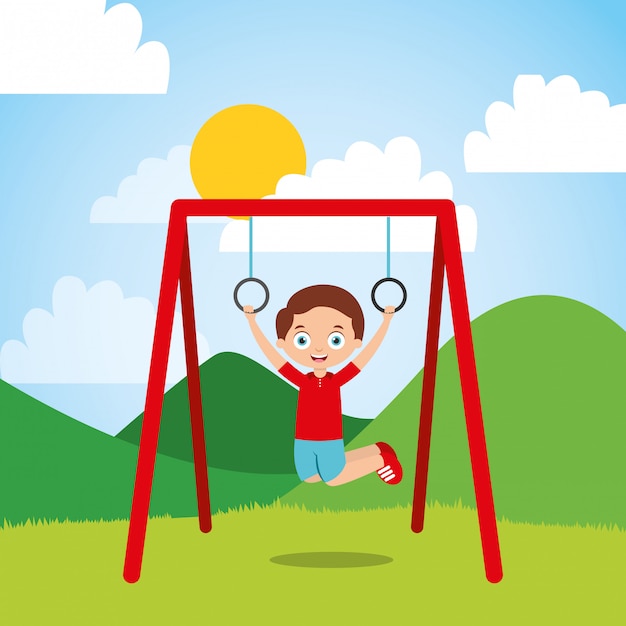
x=366, y=172
x=147, y=196
x=91, y=336
x=74, y=46
x=550, y=128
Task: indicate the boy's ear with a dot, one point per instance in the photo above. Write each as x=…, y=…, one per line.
x=280, y=343
x=358, y=343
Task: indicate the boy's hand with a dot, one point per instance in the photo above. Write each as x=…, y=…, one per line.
x=248, y=309
x=389, y=310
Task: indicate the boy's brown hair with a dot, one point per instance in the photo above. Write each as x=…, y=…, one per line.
x=321, y=295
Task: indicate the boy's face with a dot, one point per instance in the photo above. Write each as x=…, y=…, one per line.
x=320, y=338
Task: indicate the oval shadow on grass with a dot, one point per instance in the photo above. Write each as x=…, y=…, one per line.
x=331, y=559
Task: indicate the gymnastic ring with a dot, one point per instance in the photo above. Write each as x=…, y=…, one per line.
x=252, y=280
x=388, y=280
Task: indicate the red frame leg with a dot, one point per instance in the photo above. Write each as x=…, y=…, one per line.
x=175, y=268
x=195, y=394
x=471, y=398
x=428, y=386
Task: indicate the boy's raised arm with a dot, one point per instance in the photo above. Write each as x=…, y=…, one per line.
x=274, y=357
x=369, y=350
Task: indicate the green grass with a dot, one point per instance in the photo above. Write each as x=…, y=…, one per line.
x=71, y=572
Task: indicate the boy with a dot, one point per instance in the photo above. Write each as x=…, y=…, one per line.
x=320, y=327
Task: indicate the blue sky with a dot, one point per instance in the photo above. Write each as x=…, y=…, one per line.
x=341, y=72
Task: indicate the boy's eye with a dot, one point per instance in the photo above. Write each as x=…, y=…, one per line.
x=336, y=340
x=301, y=340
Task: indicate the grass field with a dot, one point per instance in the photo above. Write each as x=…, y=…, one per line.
x=284, y=565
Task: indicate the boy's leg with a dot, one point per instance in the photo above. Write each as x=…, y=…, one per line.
x=362, y=453
x=327, y=461
x=356, y=468
x=369, y=459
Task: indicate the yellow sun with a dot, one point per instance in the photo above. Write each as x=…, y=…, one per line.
x=243, y=151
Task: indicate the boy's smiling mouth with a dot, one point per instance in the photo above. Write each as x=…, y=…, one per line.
x=319, y=358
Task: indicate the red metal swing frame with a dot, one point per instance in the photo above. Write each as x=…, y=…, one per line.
x=177, y=272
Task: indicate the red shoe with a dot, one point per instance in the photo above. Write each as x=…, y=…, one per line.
x=391, y=471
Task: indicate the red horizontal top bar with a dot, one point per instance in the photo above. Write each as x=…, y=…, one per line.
x=310, y=207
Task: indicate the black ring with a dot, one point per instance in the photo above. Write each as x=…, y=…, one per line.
x=388, y=280
x=252, y=280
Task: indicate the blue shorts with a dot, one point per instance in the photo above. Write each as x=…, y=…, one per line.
x=326, y=458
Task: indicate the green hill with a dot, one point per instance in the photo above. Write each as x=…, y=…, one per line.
x=551, y=373
x=249, y=415
x=54, y=467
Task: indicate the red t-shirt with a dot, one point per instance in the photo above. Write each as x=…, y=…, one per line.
x=318, y=416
